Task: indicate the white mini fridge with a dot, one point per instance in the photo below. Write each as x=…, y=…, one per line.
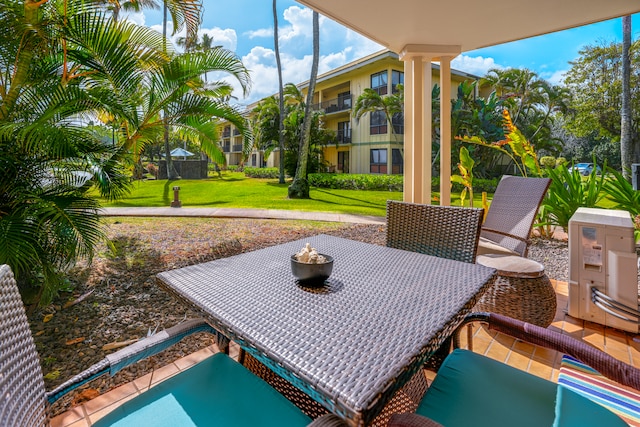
x=603, y=268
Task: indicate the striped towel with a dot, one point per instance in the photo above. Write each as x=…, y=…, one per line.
x=582, y=379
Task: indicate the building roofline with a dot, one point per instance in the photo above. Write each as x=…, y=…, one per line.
x=372, y=58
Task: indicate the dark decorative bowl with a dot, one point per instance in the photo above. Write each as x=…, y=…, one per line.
x=312, y=274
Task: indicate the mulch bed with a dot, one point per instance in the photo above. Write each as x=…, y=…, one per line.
x=118, y=299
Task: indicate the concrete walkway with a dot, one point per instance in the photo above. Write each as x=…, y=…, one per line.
x=243, y=213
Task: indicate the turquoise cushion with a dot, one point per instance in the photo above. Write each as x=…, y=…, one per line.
x=573, y=410
x=216, y=392
x=473, y=390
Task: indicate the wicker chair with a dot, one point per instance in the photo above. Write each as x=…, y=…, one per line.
x=471, y=389
x=442, y=231
x=508, y=224
x=216, y=391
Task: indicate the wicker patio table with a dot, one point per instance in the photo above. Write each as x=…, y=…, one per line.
x=349, y=344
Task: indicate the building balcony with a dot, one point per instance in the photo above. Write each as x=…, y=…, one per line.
x=334, y=105
x=237, y=147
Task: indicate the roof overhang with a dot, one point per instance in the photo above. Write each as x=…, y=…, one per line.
x=469, y=24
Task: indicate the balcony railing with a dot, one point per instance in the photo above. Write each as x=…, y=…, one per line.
x=334, y=105
x=237, y=147
x=344, y=136
x=226, y=148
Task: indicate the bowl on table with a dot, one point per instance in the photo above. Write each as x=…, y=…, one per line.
x=310, y=273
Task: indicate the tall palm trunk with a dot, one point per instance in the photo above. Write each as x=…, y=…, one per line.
x=299, y=188
x=280, y=93
x=171, y=171
x=626, y=152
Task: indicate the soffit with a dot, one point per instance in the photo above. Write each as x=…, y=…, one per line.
x=469, y=24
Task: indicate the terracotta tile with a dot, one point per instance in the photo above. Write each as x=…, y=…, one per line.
x=544, y=354
x=193, y=358
x=620, y=354
x=519, y=361
x=541, y=369
x=498, y=352
x=595, y=339
x=523, y=348
x=67, y=419
x=164, y=372
x=110, y=397
x=105, y=410
x=481, y=344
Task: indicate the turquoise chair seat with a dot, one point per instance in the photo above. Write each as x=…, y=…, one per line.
x=474, y=390
x=215, y=392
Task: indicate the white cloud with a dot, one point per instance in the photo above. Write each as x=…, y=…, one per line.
x=260, y=33
x=556, y=77
x=477, y=65
x=137, y=18
x=300, y=24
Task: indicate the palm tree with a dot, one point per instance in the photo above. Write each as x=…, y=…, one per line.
x=276, y=44
x=299, y=188
x=626, y=151
x=49, y=158
x=391, y=105
x=129, y=6
x=188, y=105
x=184, y=13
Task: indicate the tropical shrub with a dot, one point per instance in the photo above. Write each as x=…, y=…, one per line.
x=569, y=190
x=356, y=181
x=619, y=191
x=548, y=162
x=261, y=172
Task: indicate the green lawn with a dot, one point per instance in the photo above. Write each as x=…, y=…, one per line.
x=234, y=190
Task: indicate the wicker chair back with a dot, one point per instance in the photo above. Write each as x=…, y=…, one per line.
x=21, y=382
x=512, y=212
x=443, y=231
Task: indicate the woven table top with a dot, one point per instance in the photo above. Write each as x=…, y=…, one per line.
x=349, y=344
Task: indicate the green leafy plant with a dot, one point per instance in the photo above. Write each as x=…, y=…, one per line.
x=620, y=191
x=514, y=145
x=466, y=176
x=568, y=191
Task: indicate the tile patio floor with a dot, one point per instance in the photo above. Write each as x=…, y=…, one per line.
x=538, y=361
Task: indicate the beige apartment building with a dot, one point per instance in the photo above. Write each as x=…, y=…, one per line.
x=367, y=145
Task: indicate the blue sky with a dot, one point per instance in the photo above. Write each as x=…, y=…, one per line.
x=246, y=27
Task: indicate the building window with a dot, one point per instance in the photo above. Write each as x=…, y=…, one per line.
x=344, y=132
x=378, y=161
x=397, y=162
x=397, y=78
x=379, y=82
x=344, y=101
x=343, y=161
x=378, y=124
x=254, y=160
x=398, y=123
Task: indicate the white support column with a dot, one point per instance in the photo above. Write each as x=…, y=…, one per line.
x=424, y=162
x=417, y=117
x=445, y=130
x=408, y=133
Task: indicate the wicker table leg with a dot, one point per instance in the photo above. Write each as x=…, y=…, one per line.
x=405, y=399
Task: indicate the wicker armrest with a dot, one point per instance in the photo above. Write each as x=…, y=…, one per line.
x=133, y=353
x=605, y=364
x=504, y=233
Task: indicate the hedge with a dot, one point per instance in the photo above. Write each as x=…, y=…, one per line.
x=261, y=172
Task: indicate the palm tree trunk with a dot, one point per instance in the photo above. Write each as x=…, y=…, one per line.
x=626, y=153
x=280, y=93
x=299, y=188
x=171, y=171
